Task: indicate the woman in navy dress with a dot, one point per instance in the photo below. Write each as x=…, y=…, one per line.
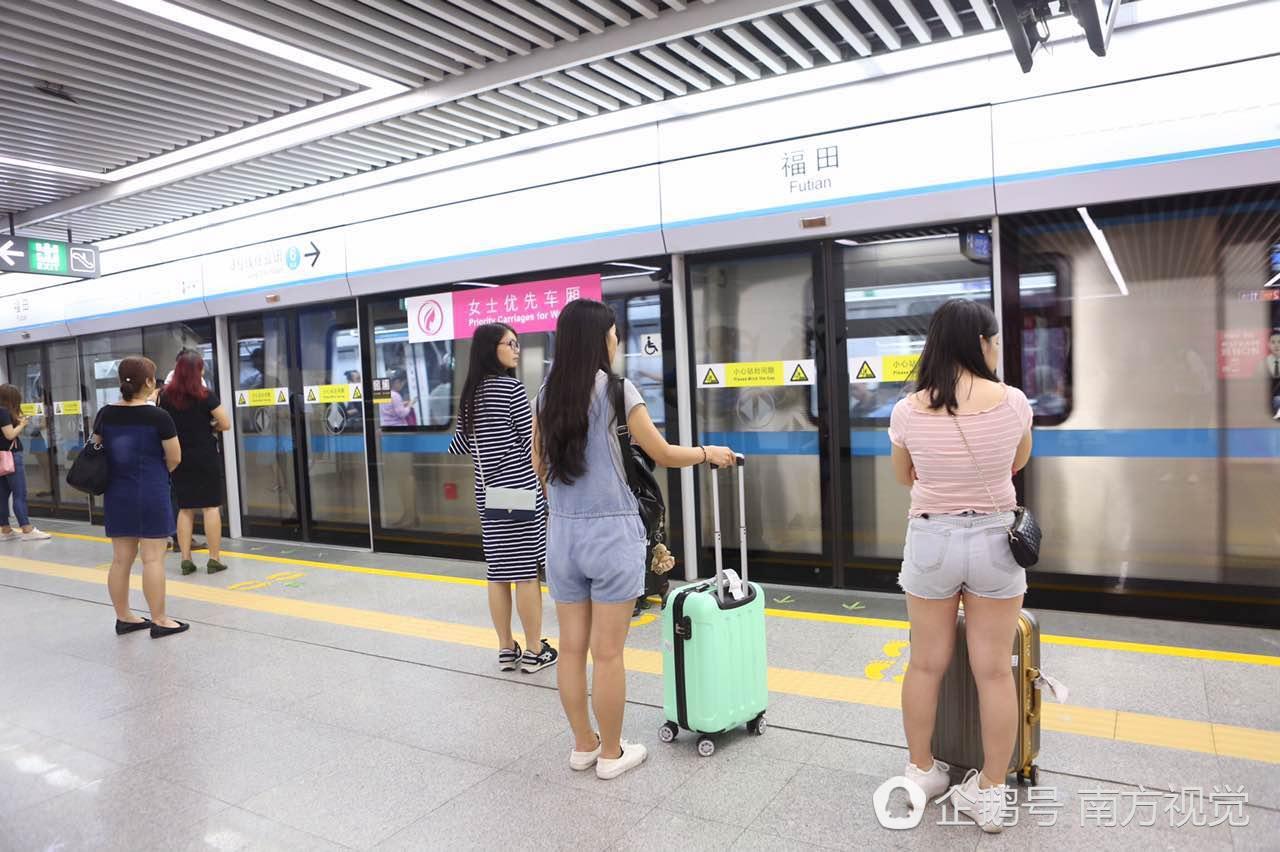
x=142, y=448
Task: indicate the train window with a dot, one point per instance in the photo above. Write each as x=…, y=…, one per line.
x=892, y=288
x=421, y=376
x=639, y=331
x=1045, y=311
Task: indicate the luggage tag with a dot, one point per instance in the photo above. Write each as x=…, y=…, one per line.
x=734, y=585
x=1056, y=688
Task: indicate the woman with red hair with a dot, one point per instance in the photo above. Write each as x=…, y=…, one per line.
x=197, y=482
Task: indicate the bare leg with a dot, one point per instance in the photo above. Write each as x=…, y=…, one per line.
x=933, y=637
x=529, y=602
x=500, y=612
x=213, y=532
x=186, y=521
x=123, y=552
x=609, y=626
x=571, y=672
x=153, y=550
x=990, y=625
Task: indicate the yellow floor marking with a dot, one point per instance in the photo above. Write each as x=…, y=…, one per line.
x=1177, y=734
x=853, y=620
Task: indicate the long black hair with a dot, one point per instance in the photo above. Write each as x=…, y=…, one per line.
x=582, y=349
x=484, y=363
x=953, y=345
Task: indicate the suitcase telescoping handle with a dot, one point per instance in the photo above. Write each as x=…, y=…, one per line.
x=740, y=462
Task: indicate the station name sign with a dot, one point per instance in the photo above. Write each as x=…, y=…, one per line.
x=47, y=257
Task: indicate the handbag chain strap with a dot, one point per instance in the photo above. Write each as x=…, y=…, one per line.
x=995, y=509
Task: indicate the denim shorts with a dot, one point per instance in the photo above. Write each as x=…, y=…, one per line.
x=598, y=557
x=947, y=553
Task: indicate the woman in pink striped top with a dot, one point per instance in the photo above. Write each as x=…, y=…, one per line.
x=962, y=502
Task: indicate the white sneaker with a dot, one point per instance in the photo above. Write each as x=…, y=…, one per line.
x=985, y=807
x=633, y=754
x=11, y=535
x=35, y=535
x=580, y=760
x=934, y=782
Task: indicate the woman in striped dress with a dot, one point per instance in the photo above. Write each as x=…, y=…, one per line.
x=495, y=428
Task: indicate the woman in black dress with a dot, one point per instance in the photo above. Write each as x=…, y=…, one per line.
x=142, y=447
x=198, y=416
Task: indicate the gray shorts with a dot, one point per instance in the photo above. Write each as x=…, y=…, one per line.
x=600, y=558
x=947, y=553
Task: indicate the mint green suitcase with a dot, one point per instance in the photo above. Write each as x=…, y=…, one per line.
x=714, y=669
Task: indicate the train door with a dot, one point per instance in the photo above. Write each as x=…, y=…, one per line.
x=48, y=375
x=297, y=393
x=885, y=293
x=758, y=388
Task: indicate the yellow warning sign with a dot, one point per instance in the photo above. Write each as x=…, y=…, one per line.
x=355, y=393
x=883, y=368
x=326, y=394
x=899, y=368
x=258, y=397
x=68, y=406
x=33, y=409
x=756, y=374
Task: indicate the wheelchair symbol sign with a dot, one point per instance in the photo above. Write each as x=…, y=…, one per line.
x=651, y=344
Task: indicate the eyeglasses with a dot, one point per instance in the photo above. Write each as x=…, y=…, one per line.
x=514, y=344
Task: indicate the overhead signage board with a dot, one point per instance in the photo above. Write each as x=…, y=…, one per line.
x=528, y=308
x=756, y=374
x=877, y=163
x=48, y=257
x=279, y=262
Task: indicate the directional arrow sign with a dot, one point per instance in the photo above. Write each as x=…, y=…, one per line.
x=47, y=257
x=314, y=254
x=11, y=255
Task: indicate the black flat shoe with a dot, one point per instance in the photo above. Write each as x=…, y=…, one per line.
x=157, y=631
x=123, y=627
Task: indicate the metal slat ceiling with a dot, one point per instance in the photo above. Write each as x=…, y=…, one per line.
x=414, y=42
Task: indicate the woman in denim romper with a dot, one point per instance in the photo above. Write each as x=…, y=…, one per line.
x=956, y=442
x=596, y=548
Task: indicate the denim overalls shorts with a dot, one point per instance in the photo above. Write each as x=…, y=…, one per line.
x=596, y=544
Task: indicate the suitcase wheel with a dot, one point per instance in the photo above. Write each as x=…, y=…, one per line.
x=1034, y=775
x=706, y=746
x=668, y=732
x=757, y=726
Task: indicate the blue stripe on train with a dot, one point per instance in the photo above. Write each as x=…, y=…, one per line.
x=1115, y=443
x=1059, y=443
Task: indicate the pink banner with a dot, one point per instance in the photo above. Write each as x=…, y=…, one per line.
x=530, y=307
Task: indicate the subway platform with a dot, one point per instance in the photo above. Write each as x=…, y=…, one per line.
x=332, y=699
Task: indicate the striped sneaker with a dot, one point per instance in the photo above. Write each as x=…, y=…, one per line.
x=537, y=662
x=509, y=658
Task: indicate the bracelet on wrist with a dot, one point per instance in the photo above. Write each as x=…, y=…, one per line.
x=704, y=454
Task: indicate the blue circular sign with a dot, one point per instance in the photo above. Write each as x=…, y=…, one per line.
x=293, y=257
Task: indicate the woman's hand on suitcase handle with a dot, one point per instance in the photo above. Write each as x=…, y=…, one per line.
x=720, y=456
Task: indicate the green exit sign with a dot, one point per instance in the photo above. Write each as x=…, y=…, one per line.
x=47, y=257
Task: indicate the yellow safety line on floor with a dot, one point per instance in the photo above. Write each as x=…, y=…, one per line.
x=802, y=615
x=1178, y=734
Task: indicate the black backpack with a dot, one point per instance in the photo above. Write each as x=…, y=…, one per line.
x=639, y=468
